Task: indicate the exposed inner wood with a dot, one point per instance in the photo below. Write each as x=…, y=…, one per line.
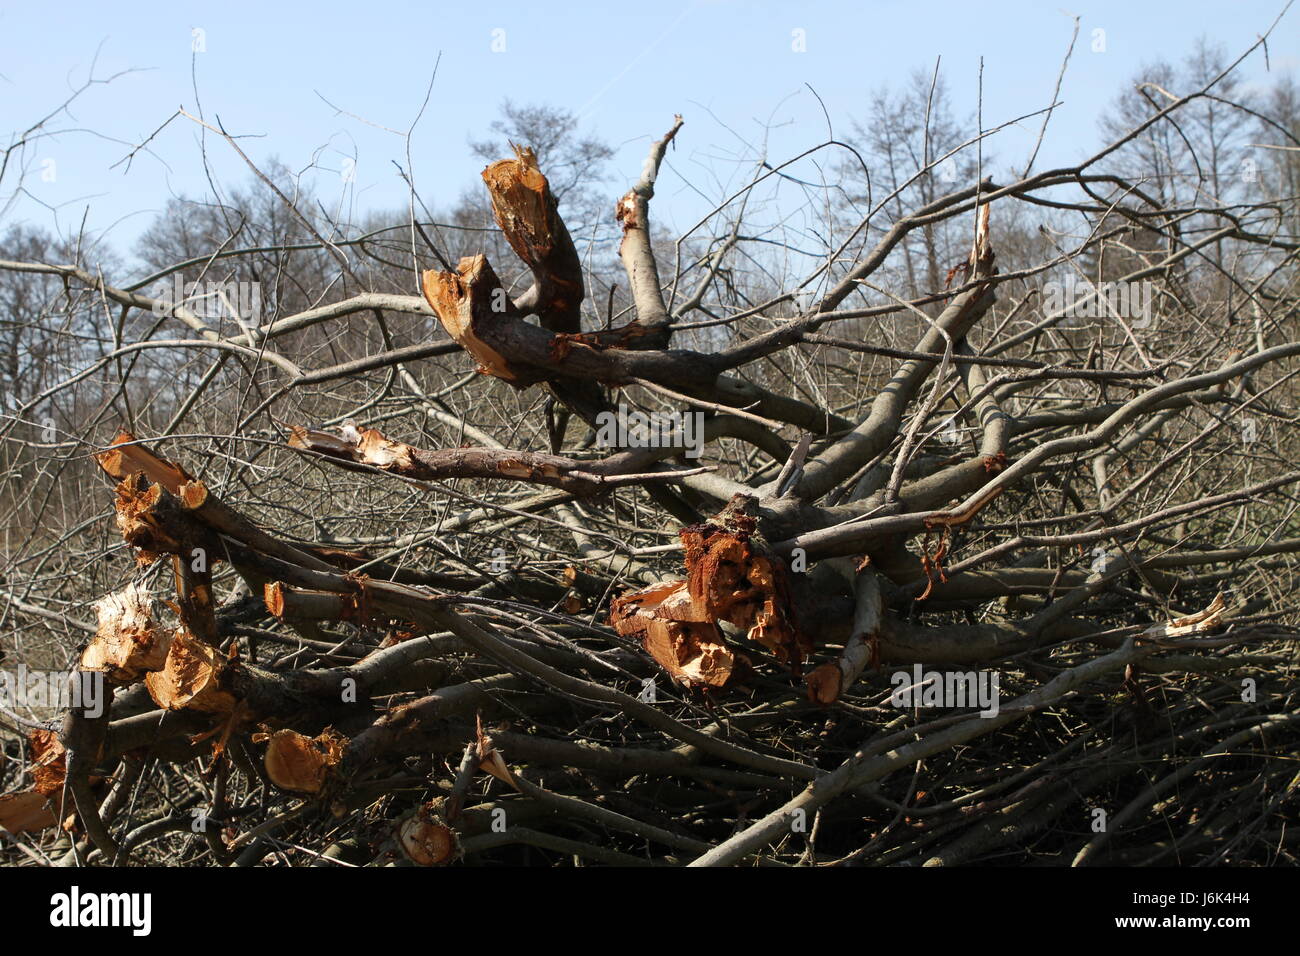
x=191, y=678
x=300, y=763
x=425, y=838
x=527, y=213
x=128, y=643
x=676, y=632
x=468, y=302
x=732, y=577
x=27, y=811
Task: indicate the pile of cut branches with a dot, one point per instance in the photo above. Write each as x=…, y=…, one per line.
x=1012, y=591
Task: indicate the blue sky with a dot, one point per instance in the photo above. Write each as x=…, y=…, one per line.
x=730, y=67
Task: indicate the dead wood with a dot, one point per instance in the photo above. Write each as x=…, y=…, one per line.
x=375, y=643
x=367, y=446
x=528, y=214
x=128, y=643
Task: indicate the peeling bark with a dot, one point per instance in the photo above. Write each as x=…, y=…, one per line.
x=49, y=764
x=732, y=577
x=678, y=635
